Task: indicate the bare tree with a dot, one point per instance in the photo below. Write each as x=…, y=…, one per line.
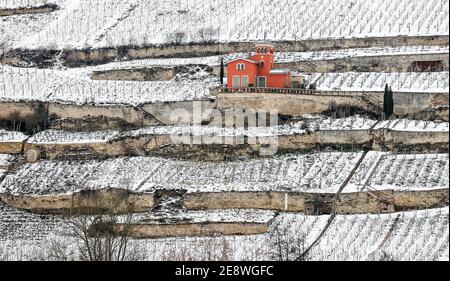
x=285, y=245
x=103, y=229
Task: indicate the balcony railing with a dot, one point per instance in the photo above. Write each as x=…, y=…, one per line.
x=266, y=90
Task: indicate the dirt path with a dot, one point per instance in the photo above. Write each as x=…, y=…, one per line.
x=386, y=238
x=324, y=230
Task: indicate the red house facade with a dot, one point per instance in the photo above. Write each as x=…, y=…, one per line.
x=258, y=71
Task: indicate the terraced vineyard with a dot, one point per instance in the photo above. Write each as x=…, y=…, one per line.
x=119, y=128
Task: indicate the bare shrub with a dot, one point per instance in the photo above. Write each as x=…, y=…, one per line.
x=176, y=37
x=207, y=35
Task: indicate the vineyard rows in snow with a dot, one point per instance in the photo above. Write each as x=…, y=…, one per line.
x=74, y=86
x=5, y=162
x=94, y=23
x=413, y=125
x=312, y=123
x=317, y=172
x=388, y=171
x=316, y=123
x=12, y=136
x=421, y=82
x=415, y=235
x=280, y=57
x=14, y=28
x=420, y=235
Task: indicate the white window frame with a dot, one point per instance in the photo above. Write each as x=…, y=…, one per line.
x=238, y=79
x=240, y=66
x=242, y=79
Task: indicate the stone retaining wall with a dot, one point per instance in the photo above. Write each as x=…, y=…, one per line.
x=405, y=103
x=47, y=8
x=87, y=201
x=196, y=229
x=318, y=203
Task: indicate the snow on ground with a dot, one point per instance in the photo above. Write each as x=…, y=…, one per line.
x=421, y=82
x=295, y=231
x=317, y=123
x=280, y=57
x=359, y=52
x=13, y=4
x=61, y=137
x=18, y=224
x=419, y=235
x=313, y=123
x=385, y=171
x=12, y=136
x=5, y=159
x=14, y=28
x=5, y=162
x=413, y=125
x=166, y=62
x=51, y=178
x=422, y=235
x=295, y=227
x=315, y=172
x=75, y=87
x=93, y=23
x=356, y=122
x=131, y=92
x=297, y=128
x=22, y=233
x=352, y=237
x=80, y=24
x=225, y=216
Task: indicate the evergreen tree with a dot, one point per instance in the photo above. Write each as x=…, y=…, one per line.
x=388, y=102
x=222, y=72
x=391, y=103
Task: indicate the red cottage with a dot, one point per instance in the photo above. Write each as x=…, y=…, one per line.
x=258, y=71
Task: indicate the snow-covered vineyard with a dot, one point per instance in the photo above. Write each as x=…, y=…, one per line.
x=311, y=124
x=12, y=136
x=74, y=86
x=90, y=92
x=418, y=235
x=282, y=57
x=400, y=172
x=375, y=81
x=107, y=24
x=412, y=125
x=314, y=173
x=320, y=172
